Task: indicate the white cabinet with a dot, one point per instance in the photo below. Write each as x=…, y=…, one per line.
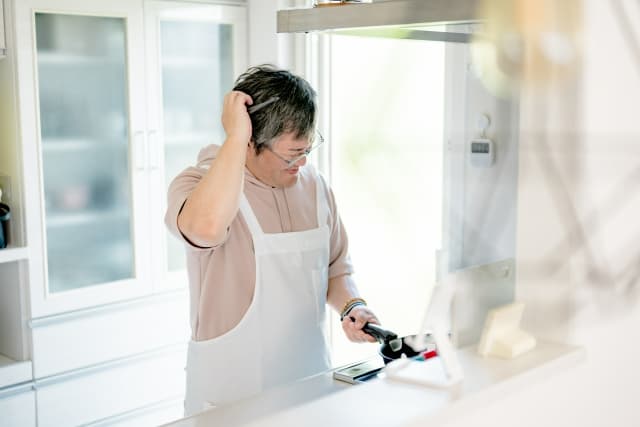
x=113, y=332
x=17, y=407
x=80, y=66
x=115, y=99
x=101, y=393
x=13, y=372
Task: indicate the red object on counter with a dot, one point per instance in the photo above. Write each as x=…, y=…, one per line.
x=429, y=354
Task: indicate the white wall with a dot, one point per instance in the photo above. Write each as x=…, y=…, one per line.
x=482, y=212
x=578, y=233
x=10, y=160
x=490, y=193
x=265, y=45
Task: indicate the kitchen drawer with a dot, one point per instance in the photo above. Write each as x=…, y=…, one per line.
x=71, y=341
x=17, y=407
x=103, y=392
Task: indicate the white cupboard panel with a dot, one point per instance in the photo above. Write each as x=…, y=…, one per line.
x=13, y=309
x=102, y=393
x=14, y=372
x=18, y=410
x=73, y=341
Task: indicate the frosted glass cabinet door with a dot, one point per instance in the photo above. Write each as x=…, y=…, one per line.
x=82, y=88
x=201, y=50
x=197, y=70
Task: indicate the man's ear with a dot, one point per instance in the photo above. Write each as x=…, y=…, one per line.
x=251, y=147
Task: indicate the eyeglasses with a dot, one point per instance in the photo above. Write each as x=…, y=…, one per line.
x=317, y=141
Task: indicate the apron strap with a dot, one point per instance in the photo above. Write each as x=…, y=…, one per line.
x=322, y=205
x=250, y=218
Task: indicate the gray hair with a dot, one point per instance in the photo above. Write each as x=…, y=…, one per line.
x=293, y=112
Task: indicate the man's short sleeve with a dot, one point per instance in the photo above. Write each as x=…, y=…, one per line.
x=339, y=259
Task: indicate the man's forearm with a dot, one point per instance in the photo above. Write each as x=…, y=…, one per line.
x=341, y=289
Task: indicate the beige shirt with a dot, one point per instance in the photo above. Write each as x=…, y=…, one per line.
x=222, y=279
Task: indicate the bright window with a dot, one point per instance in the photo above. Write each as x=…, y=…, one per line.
x=386, y=169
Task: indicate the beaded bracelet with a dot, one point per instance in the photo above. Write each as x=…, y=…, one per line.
x=349, y=305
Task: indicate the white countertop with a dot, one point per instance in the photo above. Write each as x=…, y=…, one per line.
x=322, y=401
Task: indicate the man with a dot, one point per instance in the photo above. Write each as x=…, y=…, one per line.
x=266, y=250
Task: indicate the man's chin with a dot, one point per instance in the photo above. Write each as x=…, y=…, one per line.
x=289, y=180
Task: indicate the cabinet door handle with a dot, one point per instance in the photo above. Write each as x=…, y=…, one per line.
x=140, y=150
x=154, y=149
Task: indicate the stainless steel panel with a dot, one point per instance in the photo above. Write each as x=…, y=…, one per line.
x=395, y=12
x=408, y=34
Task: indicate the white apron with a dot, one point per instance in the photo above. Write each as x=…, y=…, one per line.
x=281, y=337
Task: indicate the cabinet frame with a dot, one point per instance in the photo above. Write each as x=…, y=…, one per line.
x=146, y=142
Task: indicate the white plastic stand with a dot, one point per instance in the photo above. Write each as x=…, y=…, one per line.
x=443, y=371
x=502, y=336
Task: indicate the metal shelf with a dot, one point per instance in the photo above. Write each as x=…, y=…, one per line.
x=378, y=14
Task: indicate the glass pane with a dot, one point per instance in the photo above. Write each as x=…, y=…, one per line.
x=83, y=116
x=197, y=71
x=387, y=165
